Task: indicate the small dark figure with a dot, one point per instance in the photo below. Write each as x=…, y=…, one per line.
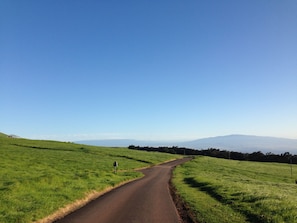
x=115, y=166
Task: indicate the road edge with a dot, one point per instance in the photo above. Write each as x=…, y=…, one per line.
x=184, y=210
x=66, y=210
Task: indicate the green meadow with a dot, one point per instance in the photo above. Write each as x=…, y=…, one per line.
x=39, y=177
x=220, y=190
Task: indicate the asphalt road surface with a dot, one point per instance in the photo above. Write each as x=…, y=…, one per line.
x=146, y=200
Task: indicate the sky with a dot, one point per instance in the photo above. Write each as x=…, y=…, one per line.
x=148, y=70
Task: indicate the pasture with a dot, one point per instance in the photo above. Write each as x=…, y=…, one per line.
x=40, y=177
x=220, y=190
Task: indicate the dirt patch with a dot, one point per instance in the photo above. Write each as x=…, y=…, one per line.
x=185, y=212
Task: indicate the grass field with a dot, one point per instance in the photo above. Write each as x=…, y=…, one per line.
x=39, y=177
x=219, y=190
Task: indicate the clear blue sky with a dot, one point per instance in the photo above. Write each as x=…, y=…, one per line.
x=169, y=70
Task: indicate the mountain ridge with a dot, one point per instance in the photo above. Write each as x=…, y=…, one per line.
x=233, y=142
x=246, y=143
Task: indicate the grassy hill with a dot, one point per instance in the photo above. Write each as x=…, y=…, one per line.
x=220, y=190
x=39, y=177
x=3, y=135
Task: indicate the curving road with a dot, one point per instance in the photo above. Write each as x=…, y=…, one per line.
x=145, y=200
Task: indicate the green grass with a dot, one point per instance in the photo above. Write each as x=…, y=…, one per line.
x=39, y=177
x=219, y=190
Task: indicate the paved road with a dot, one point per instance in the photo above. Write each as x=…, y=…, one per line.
x=146, y=200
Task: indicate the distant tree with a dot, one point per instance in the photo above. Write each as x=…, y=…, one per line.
x=256, y=156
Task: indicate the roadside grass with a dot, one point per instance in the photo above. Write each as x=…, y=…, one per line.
x=39, y=177
x=219, y=190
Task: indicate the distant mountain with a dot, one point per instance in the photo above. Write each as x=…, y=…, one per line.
x=124, y=142
x=245, y=143
x=239, y=143
x=107, y=142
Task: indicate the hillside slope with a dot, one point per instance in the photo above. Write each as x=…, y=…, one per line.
x=3, y=135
